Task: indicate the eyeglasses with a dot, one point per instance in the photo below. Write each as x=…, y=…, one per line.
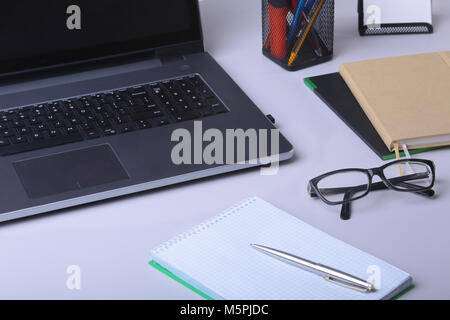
x=341, y=187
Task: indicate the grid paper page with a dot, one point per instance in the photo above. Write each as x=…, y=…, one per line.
x=216, y=257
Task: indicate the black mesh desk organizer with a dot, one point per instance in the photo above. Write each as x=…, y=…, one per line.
x=317, y=46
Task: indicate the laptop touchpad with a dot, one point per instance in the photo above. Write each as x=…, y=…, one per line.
x=69, y=171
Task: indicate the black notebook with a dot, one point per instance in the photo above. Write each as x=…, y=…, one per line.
x=332, y=89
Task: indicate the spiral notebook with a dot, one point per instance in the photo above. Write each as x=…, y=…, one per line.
x=215, y=259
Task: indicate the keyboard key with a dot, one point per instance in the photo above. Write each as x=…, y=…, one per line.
x=103, y=123
x=4, y=142
x=220, y=109
x=199, y=105
x=156, y=113
x=123, y=111
x=183, y=84
x=54, y=133
x=92, y=134
x=24, y=147
x=87, y=126
x=59, y=124
x=37, y=136
x=205, y=92
x=22, y=116
x=190, y=115
x=18, y=124
x=50, y=118
x=138, y=92
x=84, y=112
x=7, y=133
x=162, y=122
x=126, y=129
x=184, y=107
x=17, y=140
x=216, y=105
x=142, y=116
x=212, y=102
x=206, y=112
x=41, y=127
x=109, y=132
x=34, y=121
x=144, y=124
x=55, y=109
x=5, y=118
x=24, y=131
x=70, y=130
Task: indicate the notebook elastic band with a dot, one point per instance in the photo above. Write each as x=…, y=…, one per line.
x=397, y=156
x=397, y=151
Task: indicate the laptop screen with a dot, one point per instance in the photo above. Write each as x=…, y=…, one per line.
x=42, y=33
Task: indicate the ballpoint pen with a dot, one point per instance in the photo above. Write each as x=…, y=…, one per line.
x=296, y=22
x=301, y=40
x=330, y=274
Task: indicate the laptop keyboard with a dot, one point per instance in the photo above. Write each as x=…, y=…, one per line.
x=107, y=113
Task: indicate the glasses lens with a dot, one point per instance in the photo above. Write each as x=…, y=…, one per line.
x=409, y=175
x=344, y=186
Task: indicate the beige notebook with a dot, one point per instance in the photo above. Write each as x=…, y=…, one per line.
x=406, y=98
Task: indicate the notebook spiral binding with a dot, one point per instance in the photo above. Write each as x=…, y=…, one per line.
x=205, y=225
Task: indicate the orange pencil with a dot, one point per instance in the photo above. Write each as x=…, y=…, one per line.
x=301, y=40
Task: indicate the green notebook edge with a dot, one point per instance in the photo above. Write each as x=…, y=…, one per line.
x=204, y=295
x=413, y=151
x=312, y=86
x=179, y=280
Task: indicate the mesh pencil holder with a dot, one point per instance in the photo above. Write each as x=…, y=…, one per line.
x=298, y=34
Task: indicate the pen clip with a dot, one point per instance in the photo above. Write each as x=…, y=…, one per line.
x=350, y=285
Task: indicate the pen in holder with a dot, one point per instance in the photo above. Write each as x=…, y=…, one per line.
x=298, y=33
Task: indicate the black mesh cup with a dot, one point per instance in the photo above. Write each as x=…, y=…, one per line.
x=298, y=38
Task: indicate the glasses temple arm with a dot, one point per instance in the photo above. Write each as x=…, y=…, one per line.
x=426, y=193
x=346, y=206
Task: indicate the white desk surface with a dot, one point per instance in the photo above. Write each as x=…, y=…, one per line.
x=111, y=241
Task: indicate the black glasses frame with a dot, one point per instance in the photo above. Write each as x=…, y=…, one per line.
x=385, y=183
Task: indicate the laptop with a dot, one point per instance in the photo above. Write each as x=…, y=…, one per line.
x=99, y=99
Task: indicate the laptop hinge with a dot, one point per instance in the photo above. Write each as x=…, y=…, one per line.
x=178, y=52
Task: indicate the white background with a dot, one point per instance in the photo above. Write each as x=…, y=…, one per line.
x=111, y=241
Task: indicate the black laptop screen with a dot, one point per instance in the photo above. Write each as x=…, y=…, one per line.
x=40, y=33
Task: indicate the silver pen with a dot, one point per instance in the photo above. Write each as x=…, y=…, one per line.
x=330, y=274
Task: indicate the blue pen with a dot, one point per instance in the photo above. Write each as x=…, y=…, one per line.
x=308, y=6
x=296, y=23
x=297, y=20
